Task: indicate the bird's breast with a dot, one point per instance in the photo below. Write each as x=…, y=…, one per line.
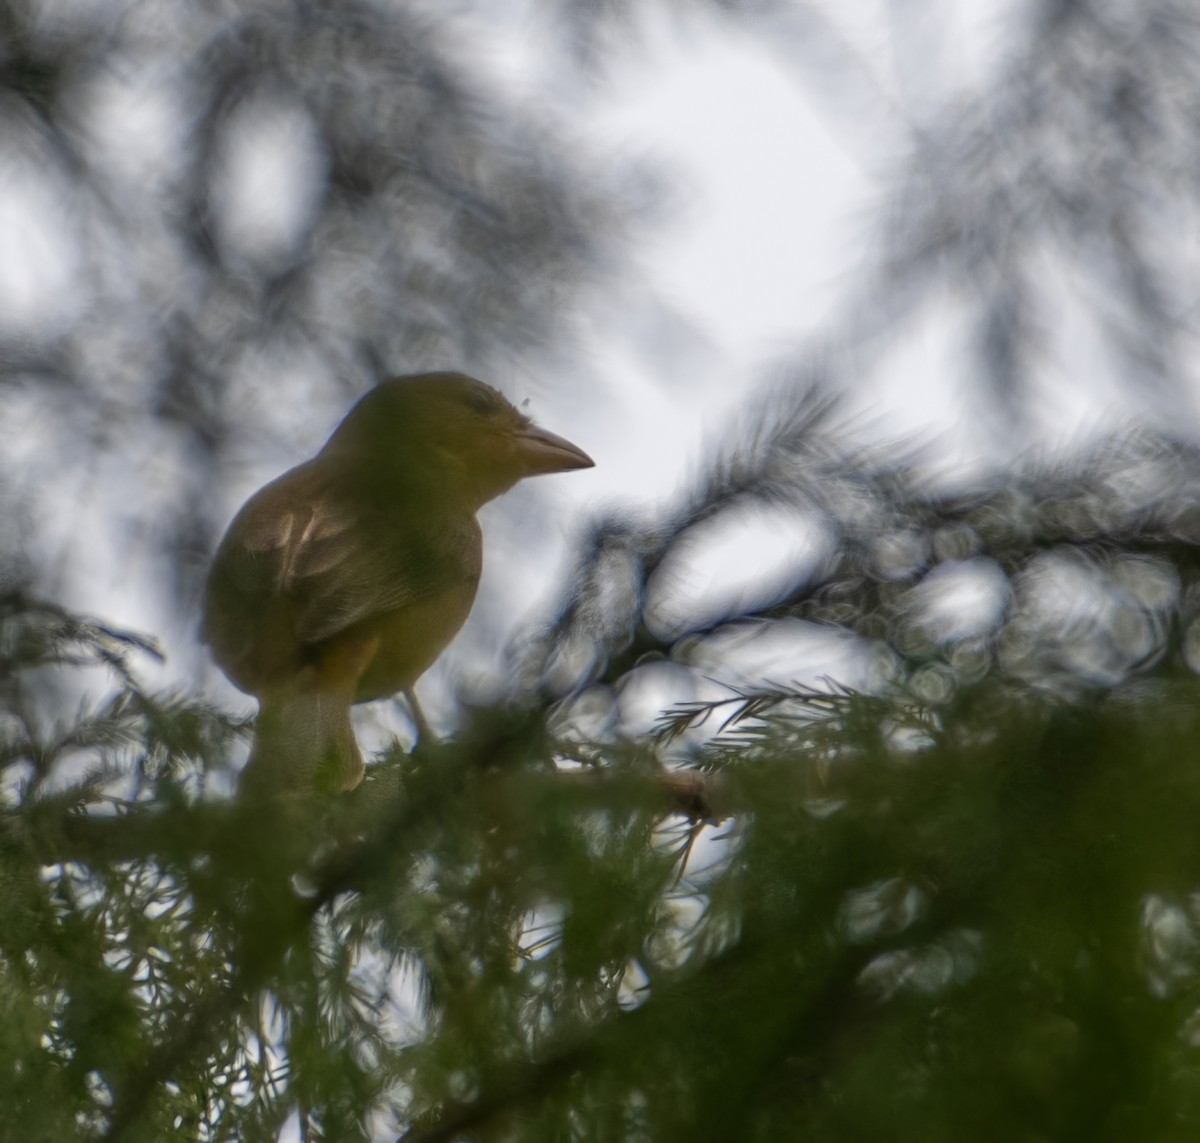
x=410, y=639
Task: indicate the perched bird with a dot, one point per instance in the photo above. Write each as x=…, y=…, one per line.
x=342, y=581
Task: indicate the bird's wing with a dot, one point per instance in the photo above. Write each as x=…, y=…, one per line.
x=327, y=560
x=376, y=562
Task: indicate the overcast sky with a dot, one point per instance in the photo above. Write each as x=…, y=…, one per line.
x=776, y=182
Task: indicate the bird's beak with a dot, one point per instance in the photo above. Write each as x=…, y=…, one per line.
x=540, y=451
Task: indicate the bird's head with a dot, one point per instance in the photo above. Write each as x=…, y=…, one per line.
x=454, y=428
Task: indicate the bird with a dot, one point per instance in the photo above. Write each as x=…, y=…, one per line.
x=342, y=580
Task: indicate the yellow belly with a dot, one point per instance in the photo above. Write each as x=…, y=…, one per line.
x=407, y=641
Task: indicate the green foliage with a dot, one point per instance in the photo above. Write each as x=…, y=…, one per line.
x=961, y=906
x=908, y=923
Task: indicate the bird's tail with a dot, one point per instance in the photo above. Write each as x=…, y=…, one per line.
x=303, y=743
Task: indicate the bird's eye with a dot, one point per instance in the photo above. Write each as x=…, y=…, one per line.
x=481, y=401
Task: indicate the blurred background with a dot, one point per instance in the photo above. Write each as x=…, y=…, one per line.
x=879, y=320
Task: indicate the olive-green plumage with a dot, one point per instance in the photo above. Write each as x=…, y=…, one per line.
x=342, y=581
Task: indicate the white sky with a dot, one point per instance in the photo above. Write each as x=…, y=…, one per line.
x=776, y=193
